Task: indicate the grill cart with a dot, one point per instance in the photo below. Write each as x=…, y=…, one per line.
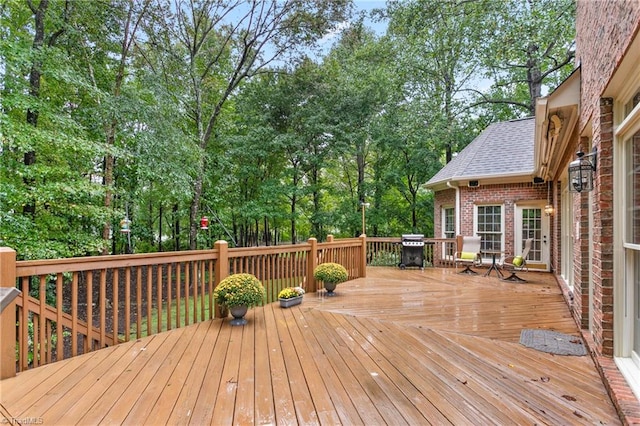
x=412, y=250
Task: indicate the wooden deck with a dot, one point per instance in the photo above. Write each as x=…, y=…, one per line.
x=398, y=347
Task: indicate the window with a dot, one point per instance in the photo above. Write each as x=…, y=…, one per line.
x=629, y=106
x=449, y=225
x=448, y=231
x=532, y=228
x=633, y=190
x=489, y=226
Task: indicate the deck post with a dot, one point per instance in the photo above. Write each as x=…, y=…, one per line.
x=363, y=256
x=8, y=313
x=221, y=272
x=312, y=262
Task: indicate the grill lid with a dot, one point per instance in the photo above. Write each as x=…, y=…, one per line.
x=415, y=240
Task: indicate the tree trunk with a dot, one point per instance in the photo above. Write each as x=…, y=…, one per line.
x=35, y=75
x=176, y=227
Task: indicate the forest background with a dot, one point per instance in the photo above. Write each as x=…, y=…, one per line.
x=161, y=112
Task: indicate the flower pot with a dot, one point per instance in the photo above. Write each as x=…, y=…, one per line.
x=330, y=286
x=238, y=313
x=292, y=301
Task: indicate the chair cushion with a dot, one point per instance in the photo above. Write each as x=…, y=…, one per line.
x=518, y=261
x=467, y=256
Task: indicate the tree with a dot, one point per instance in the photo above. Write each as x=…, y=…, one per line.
x=48, y=205
x=529, y=46
x=437, y=44
x=206, y=55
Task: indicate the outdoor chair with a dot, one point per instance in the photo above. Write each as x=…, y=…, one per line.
x=468, y=253
x=516, y=264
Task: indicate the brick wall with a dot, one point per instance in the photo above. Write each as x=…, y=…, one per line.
x=445, y=198
x=604, y=29
x=507, y=195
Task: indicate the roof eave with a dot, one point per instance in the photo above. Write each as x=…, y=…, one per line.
x=483, y=180
x=556, y=119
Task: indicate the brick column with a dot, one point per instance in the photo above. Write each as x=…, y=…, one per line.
x=603, y=226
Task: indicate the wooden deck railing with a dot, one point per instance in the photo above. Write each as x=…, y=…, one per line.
x=73, y=306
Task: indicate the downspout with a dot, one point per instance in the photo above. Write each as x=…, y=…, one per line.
x=450, y=185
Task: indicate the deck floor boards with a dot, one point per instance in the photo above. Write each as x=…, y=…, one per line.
x=412, y=347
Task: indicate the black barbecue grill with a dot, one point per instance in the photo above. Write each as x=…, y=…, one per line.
x=412, y=250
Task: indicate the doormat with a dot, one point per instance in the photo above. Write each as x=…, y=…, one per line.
x=552, y=342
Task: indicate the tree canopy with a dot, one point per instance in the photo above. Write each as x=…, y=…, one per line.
x=160, y=112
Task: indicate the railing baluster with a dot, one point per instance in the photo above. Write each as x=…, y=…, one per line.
x=115, y=273
x=74, y=314
x=138, y=302
x=149, y=269
x=103, y=307
x=59, y=333
x=187, y=278
x=159, y=307
x=178, y=295
x=127, y=304
x=41, y=322
x=169, y=295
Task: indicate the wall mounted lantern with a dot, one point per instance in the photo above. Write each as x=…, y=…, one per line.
x=581, y=171
x=548, y=209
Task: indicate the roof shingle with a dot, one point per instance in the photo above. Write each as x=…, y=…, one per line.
x=504, y=148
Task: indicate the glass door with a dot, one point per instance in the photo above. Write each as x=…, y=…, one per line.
x=531, y=222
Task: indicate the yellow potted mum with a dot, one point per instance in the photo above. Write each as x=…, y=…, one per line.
x=290, y=296
x=331, y=274
x=239, y=292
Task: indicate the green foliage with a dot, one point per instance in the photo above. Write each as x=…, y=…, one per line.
x=245, y=123
x=239, y=290
x=330, y=272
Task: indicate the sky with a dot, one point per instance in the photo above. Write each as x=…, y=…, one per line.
x=360, y=6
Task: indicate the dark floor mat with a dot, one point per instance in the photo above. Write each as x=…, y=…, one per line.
x=552, y=342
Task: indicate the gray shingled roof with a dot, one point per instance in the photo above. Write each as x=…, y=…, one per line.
x=504, y=148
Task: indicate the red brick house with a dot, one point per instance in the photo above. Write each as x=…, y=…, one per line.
x=490, y=189
x=593, y=236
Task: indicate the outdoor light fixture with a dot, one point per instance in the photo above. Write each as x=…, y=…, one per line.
x=581, y=172
x=548, y=209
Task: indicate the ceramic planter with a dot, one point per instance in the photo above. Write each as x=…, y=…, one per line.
x=238, y=313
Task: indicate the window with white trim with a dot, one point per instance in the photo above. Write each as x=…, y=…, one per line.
x=448, y=222
x=448, y=230
x=489, y=226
